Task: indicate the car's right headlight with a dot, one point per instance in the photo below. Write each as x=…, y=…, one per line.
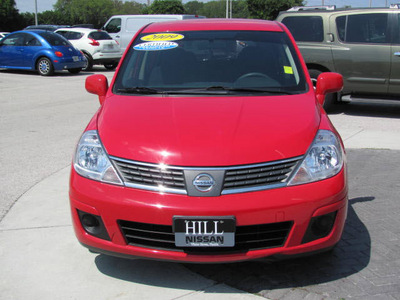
x=91, y=160
x=324, y=159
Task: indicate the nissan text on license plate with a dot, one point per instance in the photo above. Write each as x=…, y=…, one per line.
x=204, y=231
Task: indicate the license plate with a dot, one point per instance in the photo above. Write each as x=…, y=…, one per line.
x=110, y=46
x=204, y=231
x=75, y=58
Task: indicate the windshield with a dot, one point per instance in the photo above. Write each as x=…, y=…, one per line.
x=211, y=62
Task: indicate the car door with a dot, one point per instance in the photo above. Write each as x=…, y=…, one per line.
x=11, y=50
x=113, y=27
x=362, y=51
x=31, y=46
x=394, y=83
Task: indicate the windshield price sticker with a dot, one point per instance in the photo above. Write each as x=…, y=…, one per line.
x=155, y=46
x=288, y=70
x=204, y=231
x=162, y=37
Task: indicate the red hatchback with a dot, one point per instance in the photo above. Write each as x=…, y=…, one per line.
x=210, y=145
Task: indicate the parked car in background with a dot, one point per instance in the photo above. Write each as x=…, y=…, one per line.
x=97, y=46
x=45, y=27
x=211, y=145
x=361, y=44
x=3, y=34
x=43, y=51
x=122, y=28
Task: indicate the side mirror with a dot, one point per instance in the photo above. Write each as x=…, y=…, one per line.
x=328, y=82
x=98, y=85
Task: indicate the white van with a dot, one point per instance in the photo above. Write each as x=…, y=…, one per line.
x=122, y=28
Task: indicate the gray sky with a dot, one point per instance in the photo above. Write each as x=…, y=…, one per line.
x=29, y=5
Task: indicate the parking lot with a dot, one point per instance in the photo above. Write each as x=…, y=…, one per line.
x=41, y=119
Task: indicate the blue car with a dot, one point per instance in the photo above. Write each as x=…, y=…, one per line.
x=43, y=51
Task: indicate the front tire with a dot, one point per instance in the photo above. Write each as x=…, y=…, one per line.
x=45, y=67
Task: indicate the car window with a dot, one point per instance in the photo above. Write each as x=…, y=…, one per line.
x=54, y=39
x=203, y=59
x=13, y=40
x=70, y=35
x=73, y=35
x=63, y=33
x=396, y=39
x=99, y=35
x=114, y=25
x=305, y=28
x=363, y=28
x=30, y=40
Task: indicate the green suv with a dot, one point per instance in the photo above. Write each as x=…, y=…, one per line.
x=361, y=44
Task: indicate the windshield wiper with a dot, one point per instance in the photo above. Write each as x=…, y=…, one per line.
x=139, y=90
x=248, y=90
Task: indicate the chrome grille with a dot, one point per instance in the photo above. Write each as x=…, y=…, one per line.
x=259, y=176
x=251, y=237
x=235, y=179
x=141, y=175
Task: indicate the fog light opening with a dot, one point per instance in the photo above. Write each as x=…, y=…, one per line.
x=89, y=221
x=93, y=225
x=319, y=227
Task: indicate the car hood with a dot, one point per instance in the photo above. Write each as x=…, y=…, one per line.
x=208, y=131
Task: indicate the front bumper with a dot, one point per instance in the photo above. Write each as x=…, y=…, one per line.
x=104, y=57
x=296, y=205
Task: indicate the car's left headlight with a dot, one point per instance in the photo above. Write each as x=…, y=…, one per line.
x=324, y=159
x=91, y=160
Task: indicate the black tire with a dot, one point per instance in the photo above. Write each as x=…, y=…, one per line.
x=89, y=64
x=45, y=67
x=111, y=66
x=331, y=100
x=75, y=70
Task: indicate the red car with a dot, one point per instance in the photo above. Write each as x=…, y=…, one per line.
x=210, y=145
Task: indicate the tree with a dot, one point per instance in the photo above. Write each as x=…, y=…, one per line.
x=127, y=8
x=194, y=7
x=240, y=9
x=9, y=16
x=165, y=7
x=214, y=9
x=269, y=9
x=94, y=12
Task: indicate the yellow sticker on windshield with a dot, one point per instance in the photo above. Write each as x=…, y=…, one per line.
x=162, y=37
x=288, y=70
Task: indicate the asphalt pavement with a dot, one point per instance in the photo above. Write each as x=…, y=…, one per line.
x=40, y=257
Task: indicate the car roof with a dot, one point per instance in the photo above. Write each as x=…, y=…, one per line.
x=214, y=24
x=34, y=31
x=338, y=10
x=79, y=29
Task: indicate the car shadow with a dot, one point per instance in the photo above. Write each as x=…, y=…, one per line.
x=63, y=73
x=351, y=255
x=368, y=108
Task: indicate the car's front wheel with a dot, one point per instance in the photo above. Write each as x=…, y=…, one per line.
x=45, y=67
x=75, y=70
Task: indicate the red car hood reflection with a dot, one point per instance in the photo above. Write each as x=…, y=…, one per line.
x=208, y=131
